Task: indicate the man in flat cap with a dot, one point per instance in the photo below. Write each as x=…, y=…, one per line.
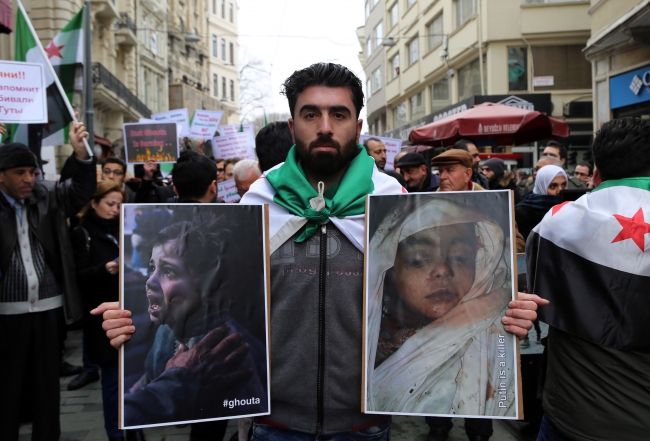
x=455, y=167
x=37, y=281
x=415, y=172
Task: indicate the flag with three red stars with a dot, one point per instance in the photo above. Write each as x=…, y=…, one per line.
x=65, y=54
x=591, y=259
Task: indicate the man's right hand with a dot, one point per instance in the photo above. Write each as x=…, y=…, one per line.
x=117, y=322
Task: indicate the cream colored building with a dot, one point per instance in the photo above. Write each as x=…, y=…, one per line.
x=530, y=49
x=223, y=57
x=619, y=50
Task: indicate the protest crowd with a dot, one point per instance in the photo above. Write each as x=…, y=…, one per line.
x=60, y=267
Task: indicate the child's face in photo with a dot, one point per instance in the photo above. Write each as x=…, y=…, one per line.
x=171, y=291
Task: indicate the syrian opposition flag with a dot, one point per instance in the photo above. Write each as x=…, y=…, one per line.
x=589, y=259
x=65, y=53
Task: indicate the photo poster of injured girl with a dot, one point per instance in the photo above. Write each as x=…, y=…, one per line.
x=195, y=277
x=438, y=278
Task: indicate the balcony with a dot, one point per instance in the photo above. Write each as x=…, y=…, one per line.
x=125, y=30
x=111, y=94
x=104, y=10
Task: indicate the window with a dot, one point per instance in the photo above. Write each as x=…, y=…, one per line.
x=223, y=88
x=566, y=64
x=215, y=48
x=368, y=47
x=399, y=115
x=223, y=9
x=517, y=71
x=215, y=85
x=418, y=108
x=469, y=80
x=394, y=14
x=232, y=13
x=440, y=95
x=368, y=87
x=146, y=87
x=367, y=9
x=414, y=50
x=223, y=49
x=376, y=80
x=465, y=9
x=394, y=67
x=410, y=3
x=434, y=32
x=378, y=34
x=214, y=7
x=232, y=53
x=232, y=90
x=374, y=3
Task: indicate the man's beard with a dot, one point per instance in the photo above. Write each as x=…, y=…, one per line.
x=326, y=163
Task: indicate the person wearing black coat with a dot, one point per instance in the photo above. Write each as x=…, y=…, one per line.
x=95, y=243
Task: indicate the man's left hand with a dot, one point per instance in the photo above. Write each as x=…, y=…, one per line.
x=77, y=134
x=522, y=313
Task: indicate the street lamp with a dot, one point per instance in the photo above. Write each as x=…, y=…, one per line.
x=388, y=42
x=192, y=38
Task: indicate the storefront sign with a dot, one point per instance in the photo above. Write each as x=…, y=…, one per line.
x=629, y=88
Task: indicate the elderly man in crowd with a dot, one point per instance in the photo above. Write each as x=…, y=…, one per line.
x=245, y=172
x=455, y=167
x=417, y=175
x=500, y=177
x=470, y=147
x=38, y=291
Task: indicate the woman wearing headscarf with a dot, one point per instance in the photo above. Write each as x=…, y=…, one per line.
x=438, y=286
x=548, y=183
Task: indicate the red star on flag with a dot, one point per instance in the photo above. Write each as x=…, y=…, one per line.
x=634, y=228
x=53, y=50
x=47, y=125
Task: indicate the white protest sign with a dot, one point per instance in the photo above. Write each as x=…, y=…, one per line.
x=23, y=98
x=205, y=123
x=180, y=116
x=231, y=129
x=393, y=147
x=240, y=145
x=227, y=192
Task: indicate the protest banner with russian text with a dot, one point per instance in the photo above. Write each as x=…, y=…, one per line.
x=180, y=116
x=239, y=145
x=393, y=147
x=205, y=123
x=227, y=192
x=22, y=93
x=144, y=141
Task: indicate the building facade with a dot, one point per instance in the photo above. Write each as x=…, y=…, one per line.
x=619, y=51
x=441, y=54
x=372, y=57
x=223, y=57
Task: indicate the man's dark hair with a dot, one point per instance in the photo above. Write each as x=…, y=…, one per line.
x=461, y=144
x=272, y=144
x=589, y=166
x=193, y=173
x=620, y=149
x=365, y=143
x=115, y=160
x=323, y=74
x=560, y=147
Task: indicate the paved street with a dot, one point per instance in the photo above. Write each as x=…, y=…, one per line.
x=82, y=420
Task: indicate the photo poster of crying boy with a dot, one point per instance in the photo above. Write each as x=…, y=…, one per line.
x=195, y=278
x=440, y=272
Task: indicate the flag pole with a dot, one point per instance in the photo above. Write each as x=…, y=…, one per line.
x=88, y=75
x=51, y=69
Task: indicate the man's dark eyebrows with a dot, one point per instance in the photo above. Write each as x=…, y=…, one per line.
x=412, y=241
x=315, y=108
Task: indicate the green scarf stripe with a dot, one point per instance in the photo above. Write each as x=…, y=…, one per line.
x=640, y=183
x=346, y=198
